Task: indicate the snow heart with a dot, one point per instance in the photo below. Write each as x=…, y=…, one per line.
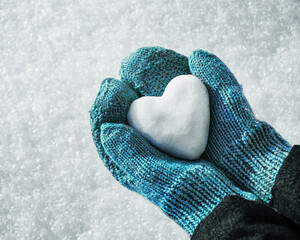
x=177, y=122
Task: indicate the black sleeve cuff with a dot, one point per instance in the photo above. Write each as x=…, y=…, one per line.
x=238, y=218
x=286, y=190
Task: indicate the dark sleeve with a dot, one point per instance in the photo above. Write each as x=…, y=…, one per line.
x=286, y=190
x=238, y=218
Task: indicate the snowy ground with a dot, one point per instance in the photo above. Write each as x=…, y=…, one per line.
x=54, y=55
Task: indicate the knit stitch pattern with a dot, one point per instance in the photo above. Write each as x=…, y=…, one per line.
x=250, y=152
x=116, y=96
x=149, y=69
x=240, y=150
x=186, y=191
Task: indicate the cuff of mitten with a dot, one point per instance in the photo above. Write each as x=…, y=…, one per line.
x=286, y=189
x=191, y=201
x=239, y=218
x=196, y=193
x=267, y=150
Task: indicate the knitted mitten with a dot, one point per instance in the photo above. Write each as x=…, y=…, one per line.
x=248, y=151
x=185, y=191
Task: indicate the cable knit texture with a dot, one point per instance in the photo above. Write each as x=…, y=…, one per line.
x=185, y=191
x=248, y=151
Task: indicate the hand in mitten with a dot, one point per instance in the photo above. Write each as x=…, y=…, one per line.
x=250, y=152
x=185, y=191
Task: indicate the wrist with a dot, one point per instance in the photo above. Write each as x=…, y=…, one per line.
x=193, y=197
x=265, y=151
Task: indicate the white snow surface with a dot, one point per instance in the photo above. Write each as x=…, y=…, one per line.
x=177, y=123
x=54, y=55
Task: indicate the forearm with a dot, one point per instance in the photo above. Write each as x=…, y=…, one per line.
x=238, y=218
x=286, y=190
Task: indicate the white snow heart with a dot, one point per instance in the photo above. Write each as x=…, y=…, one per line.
x=177, y=122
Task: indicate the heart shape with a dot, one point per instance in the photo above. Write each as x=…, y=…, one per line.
x=178, y=121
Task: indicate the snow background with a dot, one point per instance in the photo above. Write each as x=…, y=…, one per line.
x=54, y=55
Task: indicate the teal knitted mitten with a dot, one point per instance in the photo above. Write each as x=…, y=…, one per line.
x=250, y=152
x=185, y=191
